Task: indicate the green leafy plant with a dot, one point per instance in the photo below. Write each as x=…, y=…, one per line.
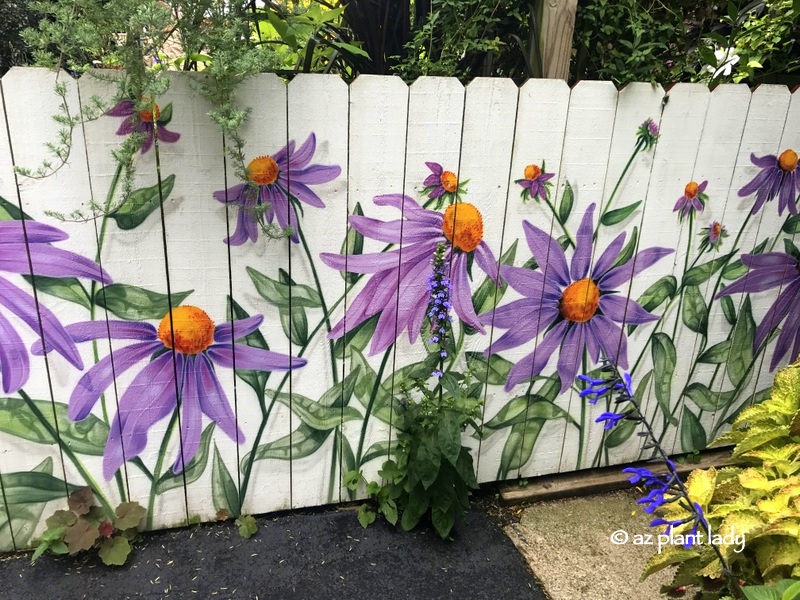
x=757, y=502
x=85, y=527
x=247, y=526
x=786, y=589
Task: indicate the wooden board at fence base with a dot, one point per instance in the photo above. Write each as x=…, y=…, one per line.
x=200, y=367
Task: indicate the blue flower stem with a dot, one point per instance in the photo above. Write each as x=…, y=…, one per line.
x=370, y=404
x=640, y=144
x=326, y=316
x=93, y=305
x=66, y=450
x=162, y=452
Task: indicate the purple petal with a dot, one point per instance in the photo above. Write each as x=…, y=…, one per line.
x=532, y=365
x=234, y=194
x=15, y=232
x=770, y=160
x=150, y=397
x=608, y=257
x=570, y=356
x=362, y=263
x=191, y=415
x=435, y=168
x=524, y=319
x=702, y=187
x=487, y=262
x=790, y=327
x=49, y=261
x=531, y=284
x=643, y=260
x=124, y=108
x=241, y=328
x=97, y=379
x=314, y=175
x=281, y=157
x=757, y=182
x=213, y=401
x=97, y=330
x=432, y=179
x=252, y=359
x=167, y=136
x=14, y=362
x=304, y=154
x=781, y=307
x=53, y=332
x=583, y=246
x=610, y=339
x=383, y=231
x=548, y=254
x=772, y=260
x=241, y=234
x=412, y=300
x=462, y=297
x=624, y=310
x=148, y=140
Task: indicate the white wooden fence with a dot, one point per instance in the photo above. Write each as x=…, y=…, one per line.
x=274, y=440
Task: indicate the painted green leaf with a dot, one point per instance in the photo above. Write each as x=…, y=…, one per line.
x=519, y=445
x=657, y=293
x=223, y=489
x=493, y=370
x=695, y=312
x=551, y=387
x=34, y=486
x=340, y=394
x=791, y=225
x=522, y=408
x=701, y=273
x=255, y=379
x=703, y=397
x=353, y=244
x=488, y=293
x=693, y=436
x=11, y=212
x=140, y=203
x=83, y=437
x=165, y=115
x=66, y=288
x=357, y=339
x=376, y=450
x=278, y=293
x=384, y=402
x=734, y=270
x=295, y=325
x=728, y=309
x=315, y=415
x=301, y=443
x=193, y=470
x=114, y=551
x=629, y=249
x=567, y=201
x=134, y=303
x=664, y=358
x=618, y=215
x=716, y=354
x=741, y=355
x=25, y=518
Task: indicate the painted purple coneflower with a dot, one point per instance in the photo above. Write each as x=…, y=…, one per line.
x=535, y=183
x=693, y=200
x=778, y=178
x=440, y=182
x=145, y=122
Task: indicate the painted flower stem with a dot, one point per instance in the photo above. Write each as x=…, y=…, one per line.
x=162, y=451
x=66, y=450
x=370, y=404
x=640, y=144
x=558, y=220
x=325, y=313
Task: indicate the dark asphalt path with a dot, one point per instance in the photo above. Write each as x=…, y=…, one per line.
x=314, y=555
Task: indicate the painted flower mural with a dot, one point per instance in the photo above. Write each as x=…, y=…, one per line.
x=693, y=200
x=460, y=228
x=47, y=261
x=575, y=308
x=778, y=179
x=439, y=182
x=266, y=194
x=199, y=347
x=146, y=122
x=768, y=271
x=535, y=183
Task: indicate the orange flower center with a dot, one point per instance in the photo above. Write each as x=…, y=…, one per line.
x=787, y=161
x=464, y=231
x=262, y=170
x=532, y=172
x=716, y=229
x=579, y=301
x=690, y=191
x=147, y=115
x=192, y=330
x=449, y=181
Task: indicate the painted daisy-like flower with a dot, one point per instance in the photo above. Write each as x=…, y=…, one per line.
x=576, y=307
x=200, y=347
x=47, y=261
x=145, y=122
x=693, y=200
x=440, y=182
x=647, y=134
x=767, y=271
x=535, y=183
x=460, y=228
x=712, y=236
x=268, y=185
x=778, y=178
